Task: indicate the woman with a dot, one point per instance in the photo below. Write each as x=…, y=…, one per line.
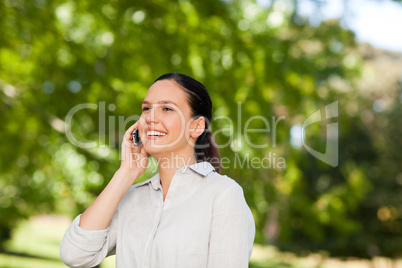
x=187, y=215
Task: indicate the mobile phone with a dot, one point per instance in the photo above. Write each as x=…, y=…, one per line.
x=136, y=138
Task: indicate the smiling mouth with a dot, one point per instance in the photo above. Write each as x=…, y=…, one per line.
x=155, y=134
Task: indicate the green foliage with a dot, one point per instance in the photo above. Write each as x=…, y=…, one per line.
x=269, y=62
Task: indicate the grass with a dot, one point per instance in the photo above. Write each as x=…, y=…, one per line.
x=35, y=244
x=269, y=257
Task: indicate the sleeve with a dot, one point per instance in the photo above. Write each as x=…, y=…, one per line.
x=88, y=248
x=232, y=230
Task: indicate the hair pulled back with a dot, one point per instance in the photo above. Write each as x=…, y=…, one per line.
x=201, y=105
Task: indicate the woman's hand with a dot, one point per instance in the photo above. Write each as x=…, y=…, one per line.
x=134, y=159
x=134, y=162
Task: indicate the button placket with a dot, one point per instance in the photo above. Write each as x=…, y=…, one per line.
x=158, y=216
x=161, y=206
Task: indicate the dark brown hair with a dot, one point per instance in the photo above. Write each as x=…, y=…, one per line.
x=201, y=105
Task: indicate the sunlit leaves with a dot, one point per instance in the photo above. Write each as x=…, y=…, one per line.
x=257, y=62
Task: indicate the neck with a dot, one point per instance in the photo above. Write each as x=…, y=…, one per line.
x=168, y=165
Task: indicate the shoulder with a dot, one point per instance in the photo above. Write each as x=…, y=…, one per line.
x=224, y=186
x=229, y=196
x=139, y=186
x=222, y=181
x=138, y=189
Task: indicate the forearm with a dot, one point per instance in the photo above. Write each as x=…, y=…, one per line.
x=96, y=245
x=99, y=214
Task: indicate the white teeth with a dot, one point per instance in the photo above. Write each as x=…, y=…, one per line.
x=155, y=133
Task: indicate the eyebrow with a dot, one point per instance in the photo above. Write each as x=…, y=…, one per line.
x=161, y=102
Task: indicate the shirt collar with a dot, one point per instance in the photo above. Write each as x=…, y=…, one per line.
x=202, y=168
x=156, y=182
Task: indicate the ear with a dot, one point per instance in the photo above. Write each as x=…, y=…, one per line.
x=198, y=127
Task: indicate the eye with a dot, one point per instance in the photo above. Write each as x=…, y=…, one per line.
x=145, y=108
x=167, y=109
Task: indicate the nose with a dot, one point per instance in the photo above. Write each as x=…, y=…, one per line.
x=152, y=116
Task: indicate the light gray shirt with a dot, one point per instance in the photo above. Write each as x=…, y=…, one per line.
x=203, y=222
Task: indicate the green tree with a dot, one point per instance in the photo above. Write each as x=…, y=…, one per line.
x=256, y=61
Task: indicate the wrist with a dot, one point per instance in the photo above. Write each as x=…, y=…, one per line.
x=127, y=174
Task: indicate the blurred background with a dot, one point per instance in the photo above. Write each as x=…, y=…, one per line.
x=267, y=58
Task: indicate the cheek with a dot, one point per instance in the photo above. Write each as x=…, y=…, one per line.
x=141, y=124
x=176, y=127
x=173, y=122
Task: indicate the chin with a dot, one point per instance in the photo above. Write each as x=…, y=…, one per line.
x=156, y=151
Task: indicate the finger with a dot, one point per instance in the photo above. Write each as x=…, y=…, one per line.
x=134, y=153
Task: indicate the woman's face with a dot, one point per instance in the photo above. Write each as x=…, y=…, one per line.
x=165, y=120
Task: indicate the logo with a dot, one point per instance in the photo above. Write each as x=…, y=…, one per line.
x=331, y=149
